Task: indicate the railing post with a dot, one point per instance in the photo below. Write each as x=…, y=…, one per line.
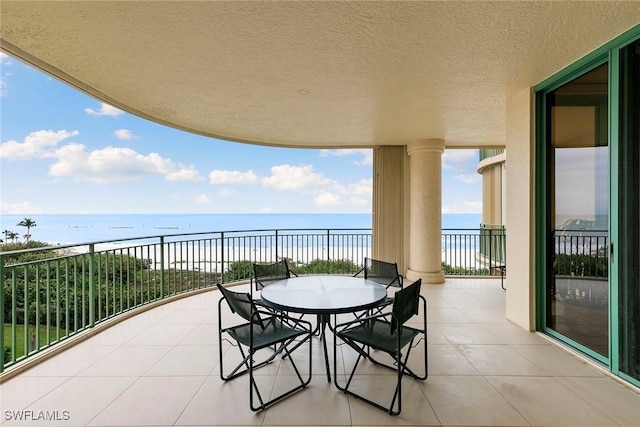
x=222, y=257
x=162, y=278
x=490, y=251
x=92, y=305
x=328, y=237
x=277, y=246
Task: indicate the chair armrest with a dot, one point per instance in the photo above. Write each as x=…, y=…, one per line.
x=282, y=317
x=362, y=320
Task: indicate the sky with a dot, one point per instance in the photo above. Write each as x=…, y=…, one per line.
x=64, y=152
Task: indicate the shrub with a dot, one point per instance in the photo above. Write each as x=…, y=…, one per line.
x=321, y=266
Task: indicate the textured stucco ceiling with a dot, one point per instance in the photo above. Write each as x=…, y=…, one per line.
x=317, y=74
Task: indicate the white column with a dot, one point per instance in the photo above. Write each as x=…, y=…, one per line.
x=425, y=211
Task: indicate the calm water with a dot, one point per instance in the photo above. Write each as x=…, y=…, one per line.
x=66, y=229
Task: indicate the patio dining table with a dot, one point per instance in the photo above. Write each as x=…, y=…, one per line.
x=324, y=295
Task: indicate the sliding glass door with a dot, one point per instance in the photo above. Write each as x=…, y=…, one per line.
x=577, y=295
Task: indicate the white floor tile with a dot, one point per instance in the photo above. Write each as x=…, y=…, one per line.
x=547, y=402
x=470, y=400
x=150, y=400
x=81, y=398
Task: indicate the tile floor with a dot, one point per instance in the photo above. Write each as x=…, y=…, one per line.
x=160, y=368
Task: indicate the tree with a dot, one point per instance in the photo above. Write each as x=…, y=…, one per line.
x=29, y=223
x=13, y=236
x=6, y=234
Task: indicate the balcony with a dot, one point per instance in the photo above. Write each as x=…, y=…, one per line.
x=142, y=317
x=69, y=290
x=160, y=368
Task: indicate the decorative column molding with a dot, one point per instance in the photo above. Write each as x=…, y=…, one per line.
x=425, y=210
x=426, y=145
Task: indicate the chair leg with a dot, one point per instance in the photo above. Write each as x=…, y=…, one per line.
x=396, y=400
x=238, y=370
x=253, y=386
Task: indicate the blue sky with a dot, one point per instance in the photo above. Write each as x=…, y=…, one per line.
x=62, y=151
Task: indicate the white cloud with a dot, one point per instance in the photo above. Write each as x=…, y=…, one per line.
x=42, y=143
x=464, y=207
x=105, y=110
x=453, y=156
x=226, y=192
x=124, y=134
x=302, y=179
x=19, y=208
x=5, y=60
x=232, y=177
x=325, y=191
x=324, y=198
x=460, y=155
x=183, y=173
x=112, y=164
x=364, y=187
x=105, y=165
x=367, y=154
x=203, y=199
x=469, y=178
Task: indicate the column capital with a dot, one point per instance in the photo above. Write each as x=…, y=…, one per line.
x=426, y=145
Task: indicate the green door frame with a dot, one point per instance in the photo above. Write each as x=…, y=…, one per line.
x=610, y=52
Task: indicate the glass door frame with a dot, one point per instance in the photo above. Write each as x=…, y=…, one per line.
x=610, y=53
x=543, y=219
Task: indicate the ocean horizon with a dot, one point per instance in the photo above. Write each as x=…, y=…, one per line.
x=65, y=229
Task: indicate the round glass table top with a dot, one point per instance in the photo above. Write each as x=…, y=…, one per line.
x=324, y=294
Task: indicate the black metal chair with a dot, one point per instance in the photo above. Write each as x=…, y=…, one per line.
x=387, y=333
x=265, y=274
x=385, y=273
x=503, y=272
x=267, y=333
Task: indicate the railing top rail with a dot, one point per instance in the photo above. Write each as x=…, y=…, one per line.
x=461, y=229
x=142, y=239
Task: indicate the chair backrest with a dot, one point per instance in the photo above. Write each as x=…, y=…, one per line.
x=405, y=304
x=242, y=305
x=265, y=274
x=385, y=273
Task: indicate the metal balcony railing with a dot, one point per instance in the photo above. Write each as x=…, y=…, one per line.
x=581, y=253
x=485, y=153
x=53, y=293
x=474, y=252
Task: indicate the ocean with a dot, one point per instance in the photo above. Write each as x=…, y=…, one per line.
x=76, y=228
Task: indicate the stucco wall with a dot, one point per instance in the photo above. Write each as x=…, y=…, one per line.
x=520, y=307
